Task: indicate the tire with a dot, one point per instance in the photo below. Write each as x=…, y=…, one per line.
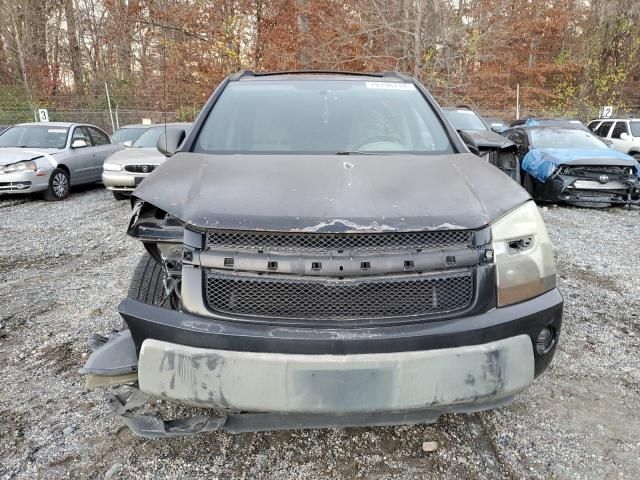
x=119, y=195
x=636, y=156
x=147, y=282
x=59, y=186
x=528, y=184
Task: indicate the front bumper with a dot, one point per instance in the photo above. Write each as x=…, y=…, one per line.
x=122, y=181
x=259, y=367
x=335, y=384
x=585, y=191
x=24, y=182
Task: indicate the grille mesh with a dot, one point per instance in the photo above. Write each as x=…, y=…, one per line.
x=140, y=168
x=331, y=242
x=322, y=299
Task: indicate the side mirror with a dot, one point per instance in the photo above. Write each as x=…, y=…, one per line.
x=625, y=136
x=170, y=140
x=469, y=142
x=497, y=128
x=79, y=143
x=128, y=143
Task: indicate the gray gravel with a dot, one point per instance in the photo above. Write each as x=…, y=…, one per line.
x=64, y=266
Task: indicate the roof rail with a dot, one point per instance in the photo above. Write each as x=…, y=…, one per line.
x=243, y=73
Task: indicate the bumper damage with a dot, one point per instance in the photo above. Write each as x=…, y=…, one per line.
x=289, y=377
x=590, y=191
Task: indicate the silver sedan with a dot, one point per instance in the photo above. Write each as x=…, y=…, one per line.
x=51, y=157
x=124, y=170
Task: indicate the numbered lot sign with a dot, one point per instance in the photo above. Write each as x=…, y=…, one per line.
x=43, y=114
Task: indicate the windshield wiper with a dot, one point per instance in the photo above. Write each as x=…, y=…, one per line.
x=356, y=152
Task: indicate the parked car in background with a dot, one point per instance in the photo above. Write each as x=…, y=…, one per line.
x=129, y=133
x=550, y=122
x=124, y=170
x=51, y=157
x=624, y=133
x=497, y=124
x=323, y=250
x=492, y=147
x=573, y=166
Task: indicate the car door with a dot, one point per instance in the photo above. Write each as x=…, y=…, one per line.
x=101, y=149
x=80, y=159
x=621, y=144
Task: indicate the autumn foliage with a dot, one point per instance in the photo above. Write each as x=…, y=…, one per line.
x=566, y=55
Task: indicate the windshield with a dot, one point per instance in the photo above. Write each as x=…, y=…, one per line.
x=635, y=128
x=322, y=116
x=565, y=138
x=465, y=120
x=34, y=136
x=127, y=134
x=148, y=138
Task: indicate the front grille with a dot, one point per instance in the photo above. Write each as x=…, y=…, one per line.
x=140, y=168
x=338, y=242
x=331, y=299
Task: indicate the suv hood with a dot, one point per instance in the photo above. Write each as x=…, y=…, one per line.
x=10, y=155
x=489, y=139
x=331, y=193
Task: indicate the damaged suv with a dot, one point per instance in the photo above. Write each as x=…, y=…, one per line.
x=324, y=250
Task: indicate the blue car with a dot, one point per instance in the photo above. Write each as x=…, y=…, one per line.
x=575, y=167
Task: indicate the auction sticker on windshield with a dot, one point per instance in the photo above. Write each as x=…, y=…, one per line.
x=390, y=85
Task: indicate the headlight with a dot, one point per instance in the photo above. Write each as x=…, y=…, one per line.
x=523, y=255
x=20, y=167
x=112, y=167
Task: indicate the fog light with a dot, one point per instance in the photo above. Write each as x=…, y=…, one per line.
x=545, y=341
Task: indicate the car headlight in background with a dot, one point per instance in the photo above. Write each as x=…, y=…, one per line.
x=20, y=167
x=111, y=167
x=523, y=255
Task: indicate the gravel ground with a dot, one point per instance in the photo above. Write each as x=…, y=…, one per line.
x=64, y=267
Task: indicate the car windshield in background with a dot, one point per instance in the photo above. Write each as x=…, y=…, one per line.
x=635, y=128
x=34, y=136
x=465, y=120
x=127, y=134
x=565, y=138
x=322, y=116
x=149, y=138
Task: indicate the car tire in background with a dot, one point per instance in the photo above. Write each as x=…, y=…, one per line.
x=59, y=186
x=528, y=184
x=119, y=196
x=636, y=156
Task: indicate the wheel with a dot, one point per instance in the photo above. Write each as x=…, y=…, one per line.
x=58, y=186
x=147, y=282
x=636, y=156
x=119, y=195
x=529, y=185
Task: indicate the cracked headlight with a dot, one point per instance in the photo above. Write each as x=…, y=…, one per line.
x=523, y=255
x=112, y=167
x=20, y=167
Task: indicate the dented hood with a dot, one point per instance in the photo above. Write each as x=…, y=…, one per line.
x=331, y=193
x=488, y=139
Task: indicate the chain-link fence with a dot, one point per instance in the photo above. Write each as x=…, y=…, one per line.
x=109, y=121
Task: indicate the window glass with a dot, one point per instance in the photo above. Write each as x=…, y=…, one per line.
x=565, y=138
x=593, y=124
x=34, y=136
x=99, y=138
x=149, y=138
x=635, y=128
x=465, y=119
x=127, y=134
x=322, y=116
x=79, y=133
x=603, y=129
